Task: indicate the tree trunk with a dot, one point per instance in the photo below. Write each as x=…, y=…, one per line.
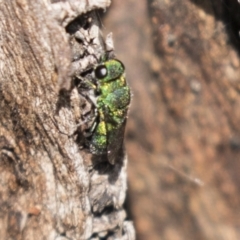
x=49, y=186
x=183, y=135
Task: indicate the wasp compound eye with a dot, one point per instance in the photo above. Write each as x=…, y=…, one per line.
x=101, y=72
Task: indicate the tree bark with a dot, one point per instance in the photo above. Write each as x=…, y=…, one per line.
x=49, y=187
x=183, y=133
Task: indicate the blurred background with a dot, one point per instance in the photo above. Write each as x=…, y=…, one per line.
x=183, y=132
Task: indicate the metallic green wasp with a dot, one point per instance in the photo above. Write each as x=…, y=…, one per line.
x=111, y=109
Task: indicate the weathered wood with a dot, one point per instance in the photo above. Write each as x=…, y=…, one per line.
x=49, y=188
x=183, y=135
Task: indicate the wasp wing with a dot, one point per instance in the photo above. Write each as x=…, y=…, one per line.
x=115, y=139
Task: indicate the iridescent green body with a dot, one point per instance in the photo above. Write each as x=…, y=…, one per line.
x=112, y=107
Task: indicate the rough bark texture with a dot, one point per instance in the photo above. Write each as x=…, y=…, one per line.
x=49, y=188
x=183, y=135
